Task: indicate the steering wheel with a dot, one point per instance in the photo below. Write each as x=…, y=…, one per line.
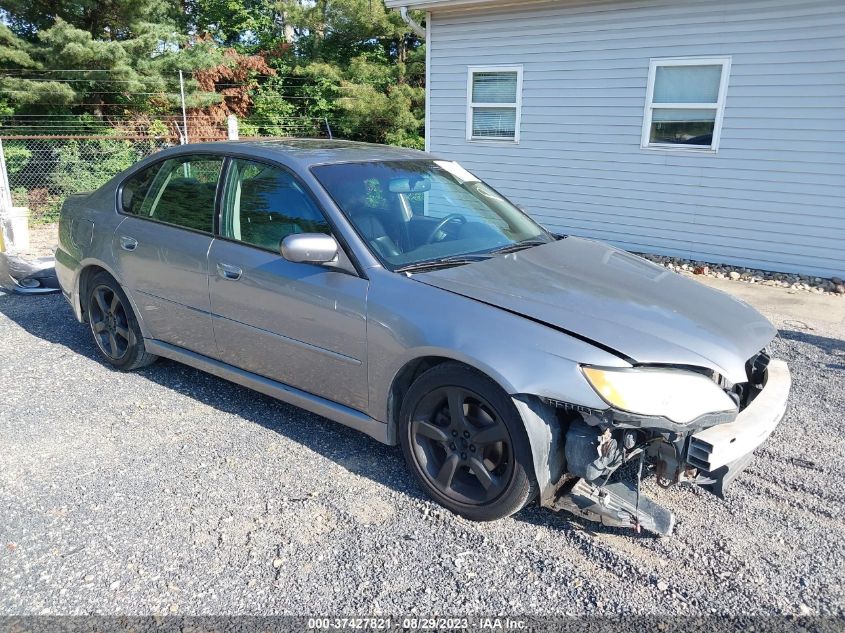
x=452, y=217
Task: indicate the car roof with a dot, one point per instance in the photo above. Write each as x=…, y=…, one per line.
x=306, y=152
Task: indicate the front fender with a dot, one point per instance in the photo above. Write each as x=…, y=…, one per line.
x=408, y=320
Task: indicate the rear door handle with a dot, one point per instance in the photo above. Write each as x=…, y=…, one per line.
x=227, y=271
x=128, y=243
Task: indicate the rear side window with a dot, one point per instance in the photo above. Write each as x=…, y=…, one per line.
x=179, y=191
x=264, y=204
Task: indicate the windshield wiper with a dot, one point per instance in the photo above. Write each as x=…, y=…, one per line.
x=443, y=262
x=518, y=246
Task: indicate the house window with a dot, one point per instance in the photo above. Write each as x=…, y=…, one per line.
x=494, y=103
x=685, y=103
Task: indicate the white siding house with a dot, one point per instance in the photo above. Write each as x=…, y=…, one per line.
x=706, y=129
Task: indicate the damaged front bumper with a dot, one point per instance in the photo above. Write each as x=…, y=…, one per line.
x=721, y=452
x=711, y=458
x=27, y=276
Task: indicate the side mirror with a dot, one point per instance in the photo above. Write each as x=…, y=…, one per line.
x=309, y=248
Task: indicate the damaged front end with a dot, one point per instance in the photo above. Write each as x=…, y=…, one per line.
x=708, y=450
x=27, y=276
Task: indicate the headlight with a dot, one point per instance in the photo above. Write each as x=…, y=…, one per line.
x=678, y=395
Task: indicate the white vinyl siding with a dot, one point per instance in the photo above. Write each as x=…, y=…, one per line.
x=494, y=103
x=685, y=103
x=772, y=197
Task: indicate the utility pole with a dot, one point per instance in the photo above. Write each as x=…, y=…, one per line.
x=5, y=190
x=184, y=114
x=5, y=198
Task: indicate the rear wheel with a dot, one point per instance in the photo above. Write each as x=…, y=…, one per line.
x=114, y=326
x=464, y=440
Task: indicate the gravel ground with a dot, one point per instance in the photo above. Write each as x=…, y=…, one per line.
x=171, y=491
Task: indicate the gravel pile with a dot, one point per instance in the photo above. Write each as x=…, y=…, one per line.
x=169, y=491
x=793, y=281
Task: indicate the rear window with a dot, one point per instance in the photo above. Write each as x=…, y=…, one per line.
x=180, y=191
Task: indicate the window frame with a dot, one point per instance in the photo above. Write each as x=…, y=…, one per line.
x=224, y=190
x=718, y=106
x=357, y=269
x=158, y=164
x=471, y=105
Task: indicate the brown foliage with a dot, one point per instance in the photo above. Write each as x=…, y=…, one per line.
x=230, y=79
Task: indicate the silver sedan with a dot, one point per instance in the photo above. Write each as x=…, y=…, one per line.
x=396, y=293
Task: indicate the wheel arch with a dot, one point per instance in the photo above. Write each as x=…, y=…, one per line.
x=87, y=271
x=539, y=419
x=417, y=365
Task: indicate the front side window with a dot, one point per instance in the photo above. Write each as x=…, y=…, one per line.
x=412, y=212
x=494, y=103
x=263, y=204
x=685, y=103
x=179, y=191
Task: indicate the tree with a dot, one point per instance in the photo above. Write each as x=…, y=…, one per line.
x=103, y=19
x=271, y=62
x=66, y=70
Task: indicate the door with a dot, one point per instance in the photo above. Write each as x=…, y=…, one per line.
x=161, y=248
x=300, y=324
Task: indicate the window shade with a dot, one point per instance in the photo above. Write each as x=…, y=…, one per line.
x=668, y=114
x=494, y=87
x=494, y=122
x=687, y=84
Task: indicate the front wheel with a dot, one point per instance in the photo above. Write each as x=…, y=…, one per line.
x=114, y=326
x=464, y=440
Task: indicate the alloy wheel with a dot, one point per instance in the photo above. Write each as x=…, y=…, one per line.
x=461, y=445
x=109, y=322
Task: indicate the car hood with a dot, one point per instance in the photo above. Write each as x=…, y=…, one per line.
x=637, y=309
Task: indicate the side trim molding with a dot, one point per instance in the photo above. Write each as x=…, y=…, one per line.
x=302, y=399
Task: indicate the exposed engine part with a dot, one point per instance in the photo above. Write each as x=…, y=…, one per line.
x=756, y=369
x=668, y=465
x=615, y=504
x=591, y=452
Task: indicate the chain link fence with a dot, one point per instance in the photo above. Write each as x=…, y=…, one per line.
x=50, y=161
x=43, y=171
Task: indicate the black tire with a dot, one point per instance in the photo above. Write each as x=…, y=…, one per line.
x=114, y=326
x=464, y=440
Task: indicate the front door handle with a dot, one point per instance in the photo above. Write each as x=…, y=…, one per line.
x=227, y=271
x=128, y=243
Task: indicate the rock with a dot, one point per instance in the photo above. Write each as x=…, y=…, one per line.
x=89, y=578
x=662, y=585
x=277, y=563
x=836, y=281
x=114, y=585
x=734, y=275
x=840, y=289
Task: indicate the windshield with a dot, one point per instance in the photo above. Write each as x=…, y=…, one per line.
x=413, y=212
